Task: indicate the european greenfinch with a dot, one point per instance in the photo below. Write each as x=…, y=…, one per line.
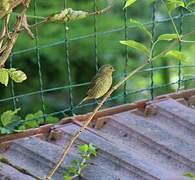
x=100, y=84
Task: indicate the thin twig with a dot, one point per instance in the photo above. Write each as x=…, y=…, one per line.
x=29, y=16
x=103, y=10
x=3, y=33
x=10, y=44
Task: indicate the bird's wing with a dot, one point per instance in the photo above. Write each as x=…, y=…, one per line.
x=97, y=79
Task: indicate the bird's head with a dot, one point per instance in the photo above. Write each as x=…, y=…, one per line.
x=108, y=69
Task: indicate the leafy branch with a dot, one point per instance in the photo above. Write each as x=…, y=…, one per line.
x=190, y=175
x=85, y=152
x=16, y=75
x=10, y=118
x=13, y=38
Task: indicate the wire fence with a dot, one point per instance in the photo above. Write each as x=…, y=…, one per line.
x=18, y=99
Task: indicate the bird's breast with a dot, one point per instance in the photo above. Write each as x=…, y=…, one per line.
x=101, y=87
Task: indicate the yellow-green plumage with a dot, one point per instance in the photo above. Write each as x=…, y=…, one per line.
x=100, y=84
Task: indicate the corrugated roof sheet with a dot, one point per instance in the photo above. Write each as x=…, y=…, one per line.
x=147, y=140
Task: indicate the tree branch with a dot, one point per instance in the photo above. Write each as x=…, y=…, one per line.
x=14, y=37
x=47, y=19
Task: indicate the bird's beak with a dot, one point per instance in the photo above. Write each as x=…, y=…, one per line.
x=113, y=70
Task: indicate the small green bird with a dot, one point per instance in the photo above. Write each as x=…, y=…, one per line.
x=100, y=84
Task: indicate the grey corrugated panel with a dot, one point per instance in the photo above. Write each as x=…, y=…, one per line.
x=158, y=137
x=9, y=173
x=170, y=123
x=128, y=158
x=38, y=157
x=121, y=134
x=27, y=153
x=183, y=114
x=130, y=147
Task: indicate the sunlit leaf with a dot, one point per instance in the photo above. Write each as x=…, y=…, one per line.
x=167, y=37
x=51, y=120
x=4, y=131
x=67, y=177
x=129, y=3
x=191, y=175
x=92, y=149
x=35, y=119
x=17, y=75
x=174, y=4
x=9, y=116
x=176, y=55
x=136, y=45
x=84, y=148
x=4, y=76
x=141, y=27
x=191, y=3
x=72, y=170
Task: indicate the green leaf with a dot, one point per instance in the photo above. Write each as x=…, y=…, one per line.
x=17, y=75
x=9, y=116
x=39, y=116
x=20, y=128
x=72, y=170
x=129, y=3
x=67, y=177
x=191, y=3
x=75, y=162
x=176, y=55
x=83, y=166
x=174, y=4
x=31, y=124
x=4, y=131
x=141, y=27
x=136, y=45
x=191, y=175
x=189, y=81
x=84, y=148
x=34, y=120
x=167, y=37
x=4, y=76
x=92, y=149
x=52, y=120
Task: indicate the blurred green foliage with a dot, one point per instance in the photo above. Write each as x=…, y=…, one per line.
x=52, y=51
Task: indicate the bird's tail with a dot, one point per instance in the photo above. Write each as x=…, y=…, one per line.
x=84, y=99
